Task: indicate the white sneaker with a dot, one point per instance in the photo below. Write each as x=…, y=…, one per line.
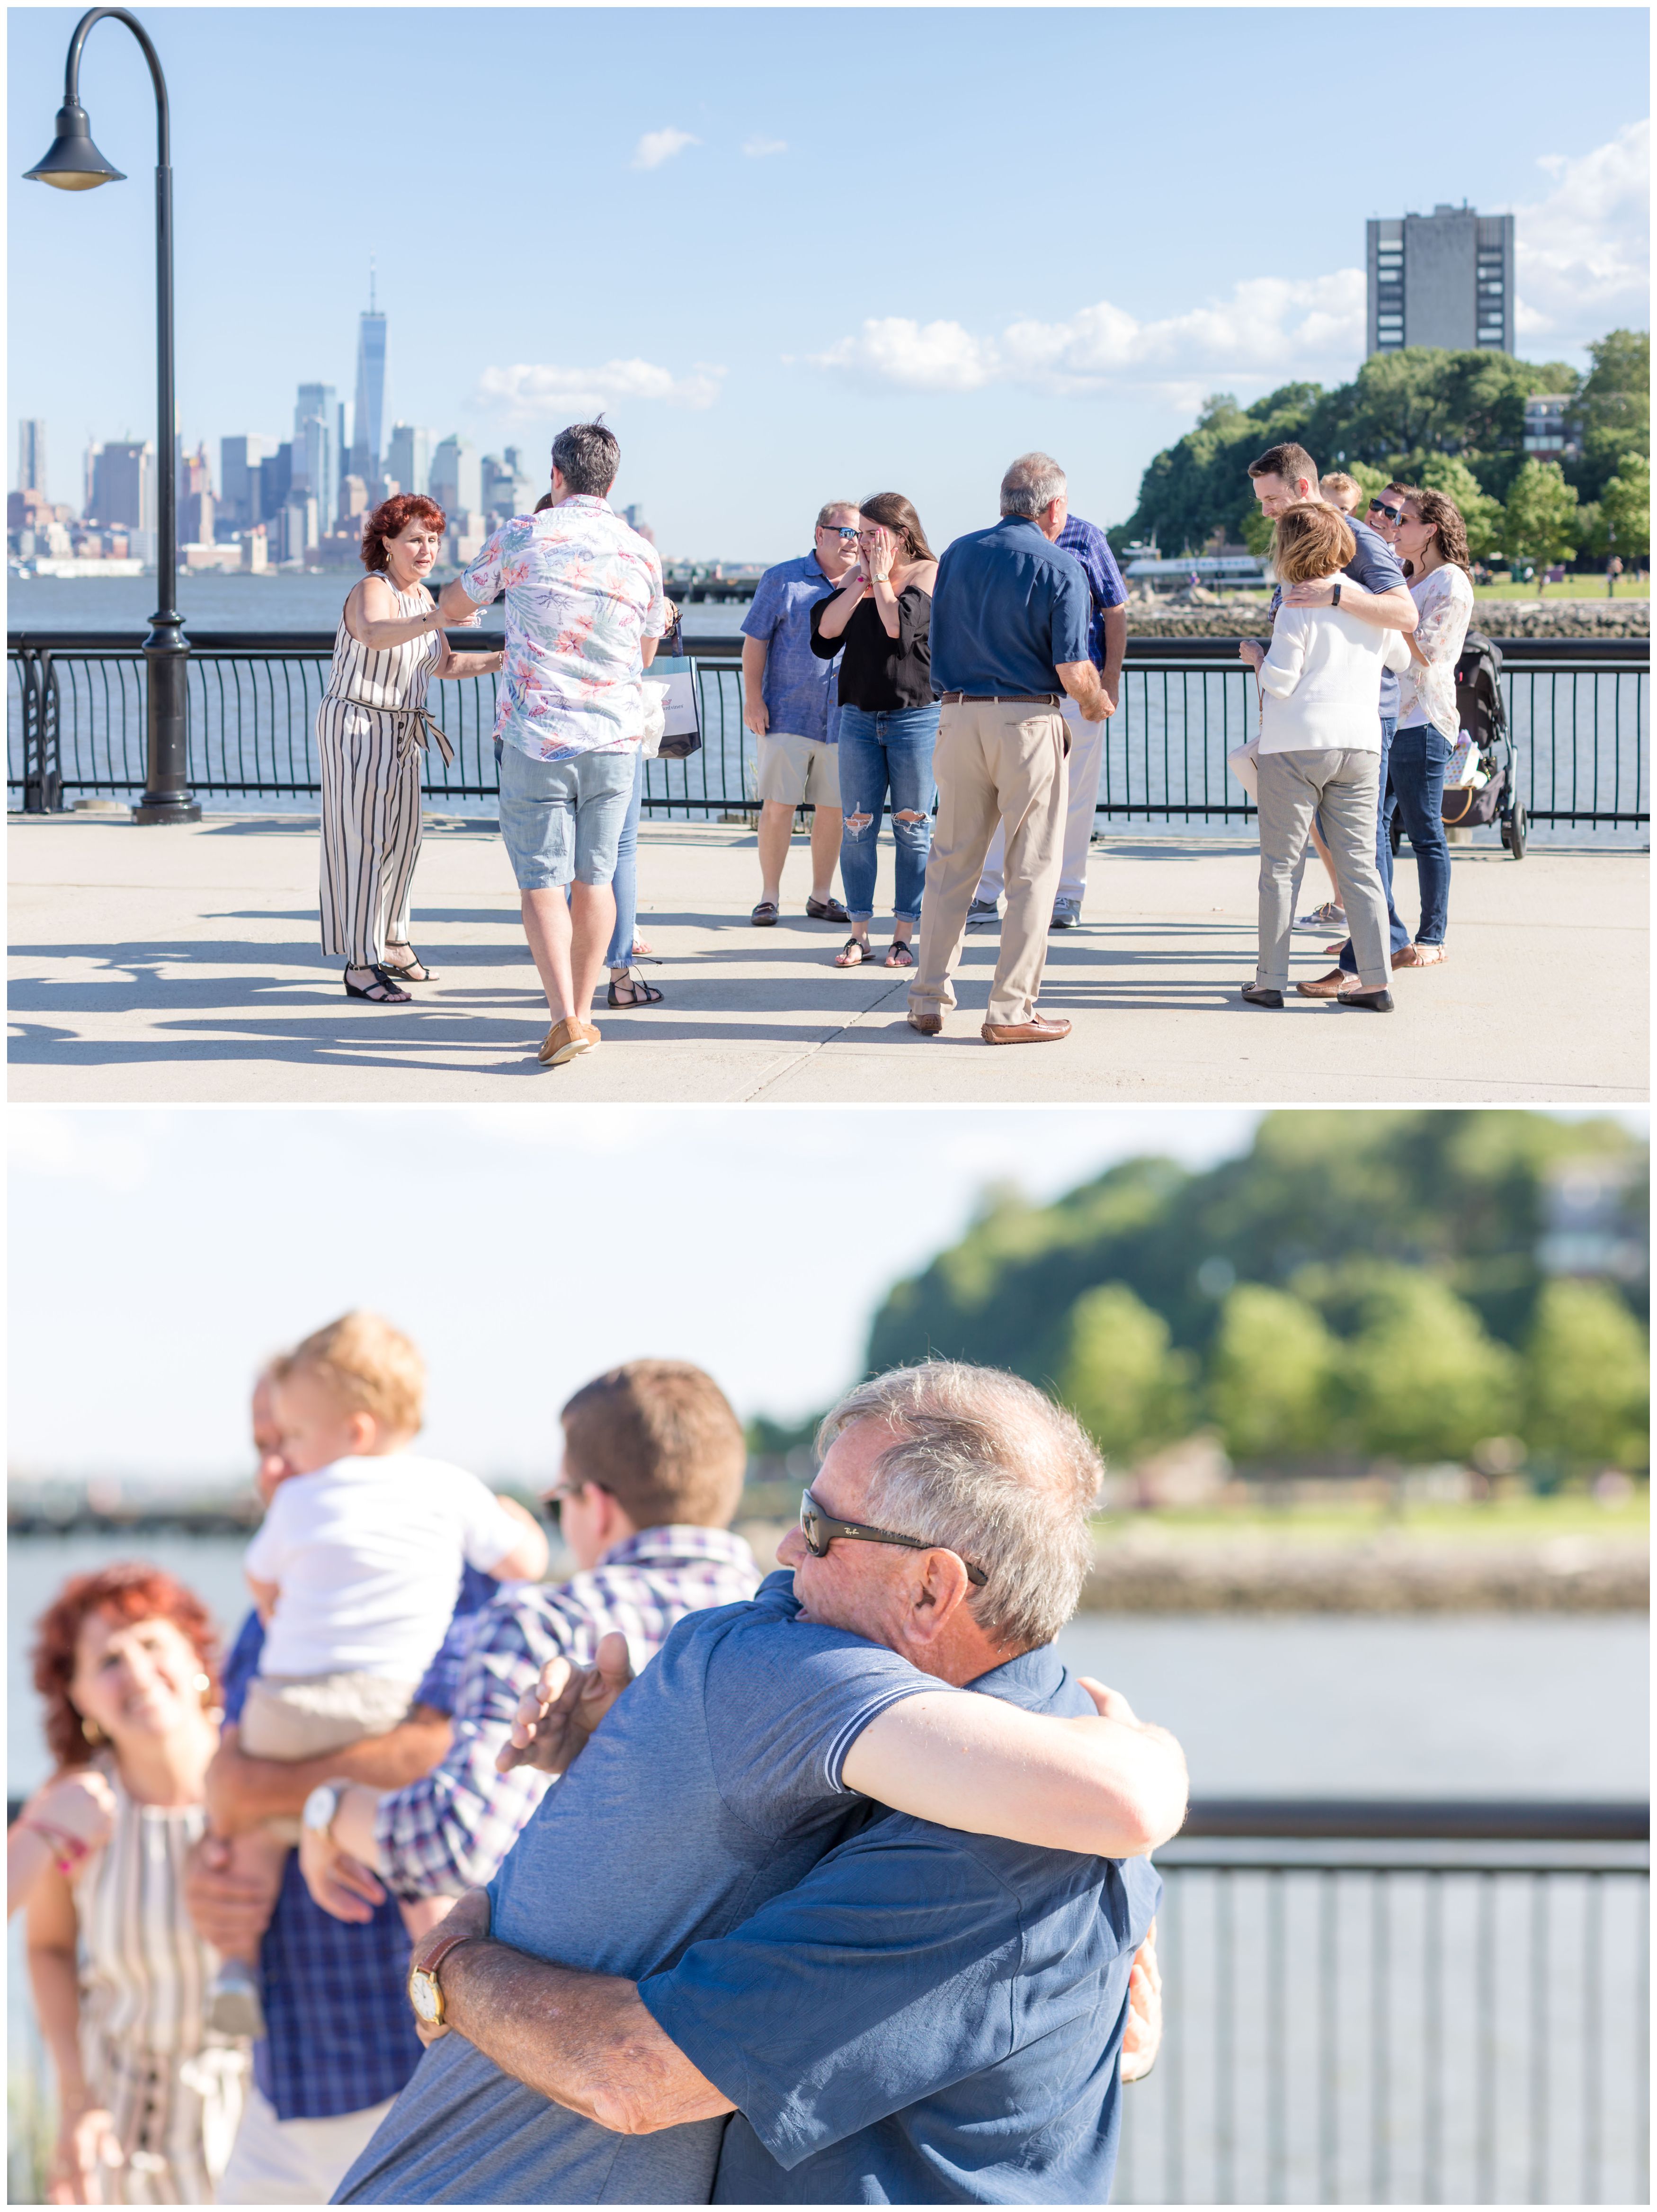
x=1066, y=913
x=982, y=912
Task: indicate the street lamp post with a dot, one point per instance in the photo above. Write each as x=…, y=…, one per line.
x=75, y=165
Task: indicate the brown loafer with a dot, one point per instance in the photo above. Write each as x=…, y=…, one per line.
x=565, y=1039
x=1037, y=1031
x=1325, y=987
x=928, y=1024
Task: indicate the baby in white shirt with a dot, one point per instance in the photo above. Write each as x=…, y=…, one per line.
x=355, y=1568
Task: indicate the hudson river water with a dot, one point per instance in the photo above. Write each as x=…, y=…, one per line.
x=1498, y=1705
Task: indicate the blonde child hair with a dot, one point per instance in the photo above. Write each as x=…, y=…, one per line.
x=370, y=1366
x=1342, y=491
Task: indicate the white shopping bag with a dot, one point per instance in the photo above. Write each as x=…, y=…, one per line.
x=1244, y=763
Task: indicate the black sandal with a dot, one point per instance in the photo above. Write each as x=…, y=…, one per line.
x=382, y=992
x=641, y=993
x=405, y=970
x=899, y=945
x=865, y=954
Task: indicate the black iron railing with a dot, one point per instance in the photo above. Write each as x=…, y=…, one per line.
x=1579, y=712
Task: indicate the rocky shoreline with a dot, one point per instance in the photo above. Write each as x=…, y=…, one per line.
x=1392, y=1572
x=1241, y=616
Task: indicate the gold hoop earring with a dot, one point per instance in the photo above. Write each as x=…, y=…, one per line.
x=92, y=1732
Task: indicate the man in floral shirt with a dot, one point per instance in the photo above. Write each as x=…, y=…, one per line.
x=584, y=608
x=653, y=1463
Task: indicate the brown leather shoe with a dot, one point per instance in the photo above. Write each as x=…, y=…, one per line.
x=1327, y=987
x=928, y=1024
x=565, y=1039
x=1037, y=1031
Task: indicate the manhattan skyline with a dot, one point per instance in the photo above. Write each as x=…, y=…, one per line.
x=774, y=303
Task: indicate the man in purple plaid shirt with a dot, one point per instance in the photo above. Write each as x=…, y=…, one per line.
x=653, y=1461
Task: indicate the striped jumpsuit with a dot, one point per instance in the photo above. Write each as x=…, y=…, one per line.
x=174, y=2092
x=371, y=728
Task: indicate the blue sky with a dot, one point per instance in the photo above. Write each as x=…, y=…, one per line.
x=800, y=253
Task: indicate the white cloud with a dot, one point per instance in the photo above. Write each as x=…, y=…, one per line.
x=1584, y=262
x=527, y=391
x=1269, y=328
x=757, y=148
x=1584, y=249
x=658, y=146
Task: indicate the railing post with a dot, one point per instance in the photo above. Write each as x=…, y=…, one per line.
x=43, y=780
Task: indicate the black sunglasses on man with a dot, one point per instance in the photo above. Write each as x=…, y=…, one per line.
x=820, y=1530
x=1392, y=513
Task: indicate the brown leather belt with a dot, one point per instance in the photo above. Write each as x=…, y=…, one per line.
x=1000, y=699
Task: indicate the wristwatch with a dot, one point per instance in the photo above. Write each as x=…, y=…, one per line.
x=1335, y=602
x=425, y=1993
x=320, y=1808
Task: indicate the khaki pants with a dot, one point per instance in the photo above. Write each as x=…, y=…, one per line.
x=993, y=763
x=1344, y=788
x=297, y=1716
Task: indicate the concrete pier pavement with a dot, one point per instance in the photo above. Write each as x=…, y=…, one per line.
x=180, y=965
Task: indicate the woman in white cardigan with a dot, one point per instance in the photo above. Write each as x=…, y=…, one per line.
x=1320, y=750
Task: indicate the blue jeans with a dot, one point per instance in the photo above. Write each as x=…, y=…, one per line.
x=626, y=878
x=1420, y=756
x=882, y=754
x=1397, y=934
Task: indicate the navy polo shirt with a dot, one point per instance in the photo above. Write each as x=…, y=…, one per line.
x=1007, y=608
x=926, y=2017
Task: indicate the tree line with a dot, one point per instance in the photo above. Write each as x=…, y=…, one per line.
x=1452, y=421
x=1359, y=1284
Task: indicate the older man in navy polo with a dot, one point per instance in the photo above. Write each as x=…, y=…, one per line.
x=1011, y=615
x=791, y=703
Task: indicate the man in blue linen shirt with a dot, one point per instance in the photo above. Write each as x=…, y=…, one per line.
x=784, y=1703
x=791, y=703
x=1107, y=643
x=1010, y=617
x=1372, y=587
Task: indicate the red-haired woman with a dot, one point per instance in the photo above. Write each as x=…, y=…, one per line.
x=127, y=1662
x=372, y=728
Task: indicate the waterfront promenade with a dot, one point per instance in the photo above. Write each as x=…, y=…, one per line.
x=180, y=965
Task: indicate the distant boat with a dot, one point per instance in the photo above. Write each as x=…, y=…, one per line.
x=47, y=564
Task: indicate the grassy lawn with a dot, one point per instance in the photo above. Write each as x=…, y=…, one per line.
x=1573, y=587
x=1522, y=1519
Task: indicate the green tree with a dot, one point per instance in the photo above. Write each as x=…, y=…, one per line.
x=1539, y=523
x=1121, y=1376
x=1270, y=1374
x=1422, y=1380
x=1614, y=408
x=1625, y=504
x=1587, y=1387
x=1445, y=473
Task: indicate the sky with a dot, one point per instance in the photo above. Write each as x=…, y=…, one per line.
x=801, y=253
x=157, y=1257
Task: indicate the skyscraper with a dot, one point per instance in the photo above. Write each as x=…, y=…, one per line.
x=32, y=457
x=238, y=477
x=367, y=427
x=409, y=457
x=124, y=485
x=316, y=455
x=1443, y=279
x=458, y=476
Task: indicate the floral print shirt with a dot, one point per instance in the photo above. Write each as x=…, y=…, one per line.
x=1444, y=603
x=582, y=590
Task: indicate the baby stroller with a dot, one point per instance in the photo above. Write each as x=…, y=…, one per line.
x=1484, y=718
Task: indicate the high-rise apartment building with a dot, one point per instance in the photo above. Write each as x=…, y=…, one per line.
x=316, y=450
x=369, y=423
x=238, y=478
x=1443, y=279
x=32, y=457
x=458, y=476
x=409, y=457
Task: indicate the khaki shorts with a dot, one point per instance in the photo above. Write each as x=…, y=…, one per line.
x=294, y=1716
x=794, y=769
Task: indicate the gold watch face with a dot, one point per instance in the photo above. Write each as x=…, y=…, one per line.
x=425, y=1997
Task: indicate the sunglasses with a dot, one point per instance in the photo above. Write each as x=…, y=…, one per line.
x=820, y=1530
x=1392, y=513
x=844, y=530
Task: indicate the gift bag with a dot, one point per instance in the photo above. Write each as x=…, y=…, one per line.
x=675, y=675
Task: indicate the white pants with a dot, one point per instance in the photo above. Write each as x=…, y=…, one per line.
x=1087, y=758
x=293, y=2162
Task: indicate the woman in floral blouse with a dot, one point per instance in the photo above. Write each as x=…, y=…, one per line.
x=1432, y=538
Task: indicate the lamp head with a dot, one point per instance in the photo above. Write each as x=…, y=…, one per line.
x=73, y=163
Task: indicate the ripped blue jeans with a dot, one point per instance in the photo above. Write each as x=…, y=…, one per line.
x=886, y=759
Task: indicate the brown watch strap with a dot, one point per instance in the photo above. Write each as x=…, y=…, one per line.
x=435, y=1959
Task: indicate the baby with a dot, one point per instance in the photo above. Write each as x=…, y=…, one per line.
x=355, y=1571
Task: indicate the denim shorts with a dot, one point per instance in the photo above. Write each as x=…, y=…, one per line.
x=560, y=820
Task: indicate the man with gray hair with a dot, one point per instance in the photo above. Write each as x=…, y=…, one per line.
x=917, y=2004
x=1010, y=617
